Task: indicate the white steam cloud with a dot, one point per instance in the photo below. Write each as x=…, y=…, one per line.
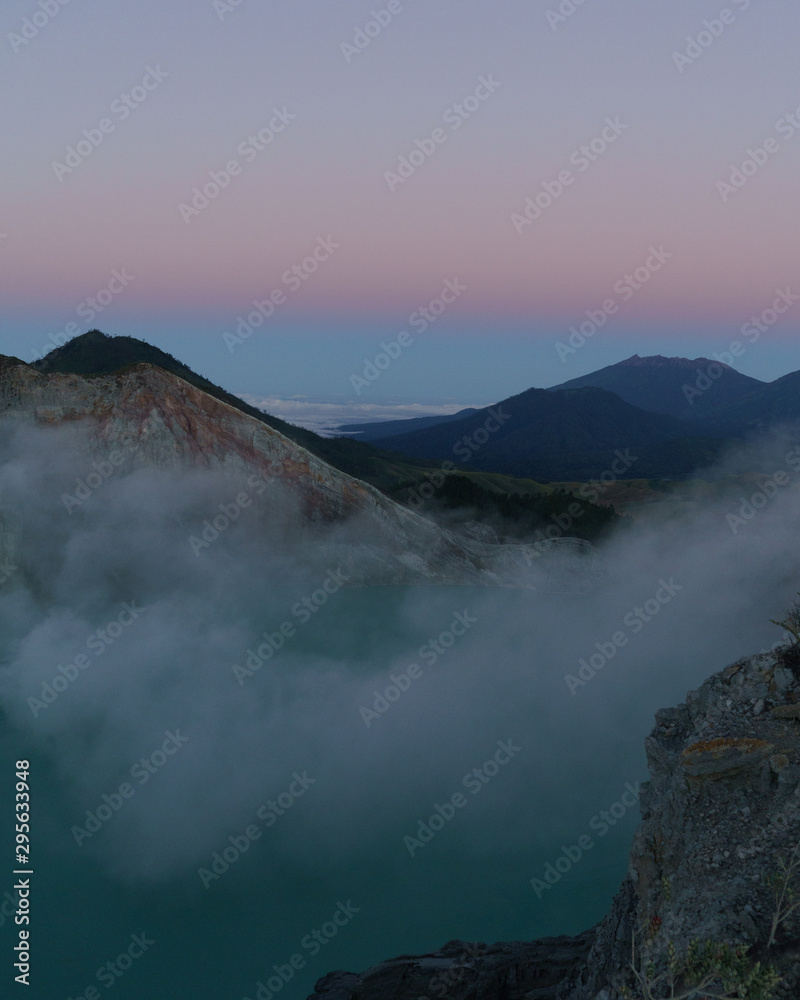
x=136, y=634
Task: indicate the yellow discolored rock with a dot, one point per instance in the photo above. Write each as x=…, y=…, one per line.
x=787, y=712
x=724, y=756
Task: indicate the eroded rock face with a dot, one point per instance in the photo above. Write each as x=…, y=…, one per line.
x=721, y=807
x=157, y=420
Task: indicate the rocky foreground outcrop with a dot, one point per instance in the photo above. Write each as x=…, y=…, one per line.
x=720, y=815
x=531, y=969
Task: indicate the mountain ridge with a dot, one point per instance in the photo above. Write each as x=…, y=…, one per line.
x=712, y=396
x=400, y=477
x=570, y=435
x=96, y=353
x=708, y=402
x=574, y=437
x=161, y=421
x=689, y=389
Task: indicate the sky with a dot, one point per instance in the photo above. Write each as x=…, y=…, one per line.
x=511, y=167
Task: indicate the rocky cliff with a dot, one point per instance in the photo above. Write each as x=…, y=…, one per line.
x=712, y=862
x=155, y=419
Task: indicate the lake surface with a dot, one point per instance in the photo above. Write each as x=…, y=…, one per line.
x=340, y=874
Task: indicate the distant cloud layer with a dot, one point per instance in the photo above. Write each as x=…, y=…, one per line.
x=323, y=417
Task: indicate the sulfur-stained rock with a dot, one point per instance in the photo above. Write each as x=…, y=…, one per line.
x=157, y=420
x=787, y=711
x=720, y=757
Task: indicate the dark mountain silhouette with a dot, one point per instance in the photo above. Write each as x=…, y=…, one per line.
x=97, y=353
x=679, y=387
x=563, y=435
x=696, y=389
x=773, y=403
x=569, y=432
x=705, y=399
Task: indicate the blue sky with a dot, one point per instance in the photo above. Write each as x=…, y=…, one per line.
x=651, y=116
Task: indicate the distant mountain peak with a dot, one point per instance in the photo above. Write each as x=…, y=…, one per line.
x=95, y=352
x=671, y=385
x=661, y=361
